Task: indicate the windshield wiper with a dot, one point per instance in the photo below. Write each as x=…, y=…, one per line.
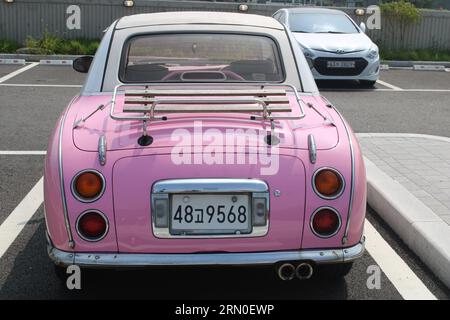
x=302, y=31
x=337, y=32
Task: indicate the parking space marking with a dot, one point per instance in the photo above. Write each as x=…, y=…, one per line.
x=389, y=85
x=398, y=272
x=22, y=153
x=17, y=72
x=40, y=85
x=19, y=217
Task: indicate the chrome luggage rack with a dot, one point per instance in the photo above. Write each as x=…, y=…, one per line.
x=266, y=99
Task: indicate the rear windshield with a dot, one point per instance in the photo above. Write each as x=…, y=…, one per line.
x=201, y=58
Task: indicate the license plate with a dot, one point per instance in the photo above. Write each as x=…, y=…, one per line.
x=340, y=64
x=210, y=214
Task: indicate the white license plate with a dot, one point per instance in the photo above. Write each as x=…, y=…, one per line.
x=340, y=64
x=210, y=214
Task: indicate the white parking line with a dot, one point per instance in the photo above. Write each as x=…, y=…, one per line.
x=17, y=72
x=398, y=272
x=40, y=85
x=389, y=85
x=19, y=217
x=22, y=153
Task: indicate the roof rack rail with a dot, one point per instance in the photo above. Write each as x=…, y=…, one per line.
x=151, y=101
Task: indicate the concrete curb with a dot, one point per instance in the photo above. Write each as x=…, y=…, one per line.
x=403, y=135
x=417, y=225
x=13, y=61
x=410, y=64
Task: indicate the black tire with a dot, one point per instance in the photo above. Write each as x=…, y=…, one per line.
x=367, y=83
x=335, y=271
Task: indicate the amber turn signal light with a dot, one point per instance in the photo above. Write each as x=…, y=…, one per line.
x=328, y=183
x=88, y=185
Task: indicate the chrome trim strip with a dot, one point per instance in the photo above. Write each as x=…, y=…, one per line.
x=312, y=149
x=337, y=195
x=312, y=218
x=352, y=182
x=61, y=182
x=104, y=218
x=127, y=260
x=102, y=150
x=77, y=196
x=209, y=185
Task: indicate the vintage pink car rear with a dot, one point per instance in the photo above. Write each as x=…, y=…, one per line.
x=202, y=140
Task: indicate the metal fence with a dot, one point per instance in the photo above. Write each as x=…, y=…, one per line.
x=24, y=18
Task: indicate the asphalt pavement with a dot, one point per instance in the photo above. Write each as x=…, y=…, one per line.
x=32, y=101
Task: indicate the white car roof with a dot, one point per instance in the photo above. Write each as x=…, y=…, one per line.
x=197, y=17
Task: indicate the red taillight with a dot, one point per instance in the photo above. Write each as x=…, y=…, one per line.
x=92, y=226
x=325, y=222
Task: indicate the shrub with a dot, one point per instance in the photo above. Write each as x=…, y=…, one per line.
x=8, y=46
x=50, y=44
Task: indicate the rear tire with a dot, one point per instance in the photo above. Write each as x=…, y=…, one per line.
x=367, y=83
x=335, y=271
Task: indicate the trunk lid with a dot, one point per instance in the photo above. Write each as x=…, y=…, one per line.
x=199, y=127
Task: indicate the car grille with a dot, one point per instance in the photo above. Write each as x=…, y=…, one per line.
x=320, y=64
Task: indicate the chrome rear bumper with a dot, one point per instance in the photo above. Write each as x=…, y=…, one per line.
x=131, y=260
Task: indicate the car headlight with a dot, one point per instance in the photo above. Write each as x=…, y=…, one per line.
x=309, y=56
x=373, y=52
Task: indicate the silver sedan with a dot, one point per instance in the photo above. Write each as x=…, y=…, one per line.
x=334, y=45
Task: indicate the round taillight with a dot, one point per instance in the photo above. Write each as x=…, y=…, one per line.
x=88, y=186
x=325, y=222
x=328, y=183
x=92, y=225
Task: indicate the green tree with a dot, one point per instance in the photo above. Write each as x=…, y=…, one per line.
x=399, y=16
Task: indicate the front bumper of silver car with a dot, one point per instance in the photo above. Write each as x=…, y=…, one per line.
x=132, y=260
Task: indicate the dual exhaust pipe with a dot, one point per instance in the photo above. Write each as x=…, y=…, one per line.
x=288, y=271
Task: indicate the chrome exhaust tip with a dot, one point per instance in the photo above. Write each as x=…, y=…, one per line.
x=286, y=271
x=304, y=271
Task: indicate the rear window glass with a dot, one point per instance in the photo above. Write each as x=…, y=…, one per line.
x=201, y=58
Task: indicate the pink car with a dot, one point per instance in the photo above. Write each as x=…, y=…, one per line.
x=201, y=139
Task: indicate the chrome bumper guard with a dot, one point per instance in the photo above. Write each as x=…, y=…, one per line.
x=131, y=260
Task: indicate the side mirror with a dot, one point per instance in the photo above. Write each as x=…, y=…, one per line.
x=362, y=26
x=82, y=64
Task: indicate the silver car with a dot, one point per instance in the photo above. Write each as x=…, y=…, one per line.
x=334, y=45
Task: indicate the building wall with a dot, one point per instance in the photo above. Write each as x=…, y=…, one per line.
x=33, y=17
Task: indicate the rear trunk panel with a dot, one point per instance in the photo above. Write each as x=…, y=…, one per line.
x=133, y=178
